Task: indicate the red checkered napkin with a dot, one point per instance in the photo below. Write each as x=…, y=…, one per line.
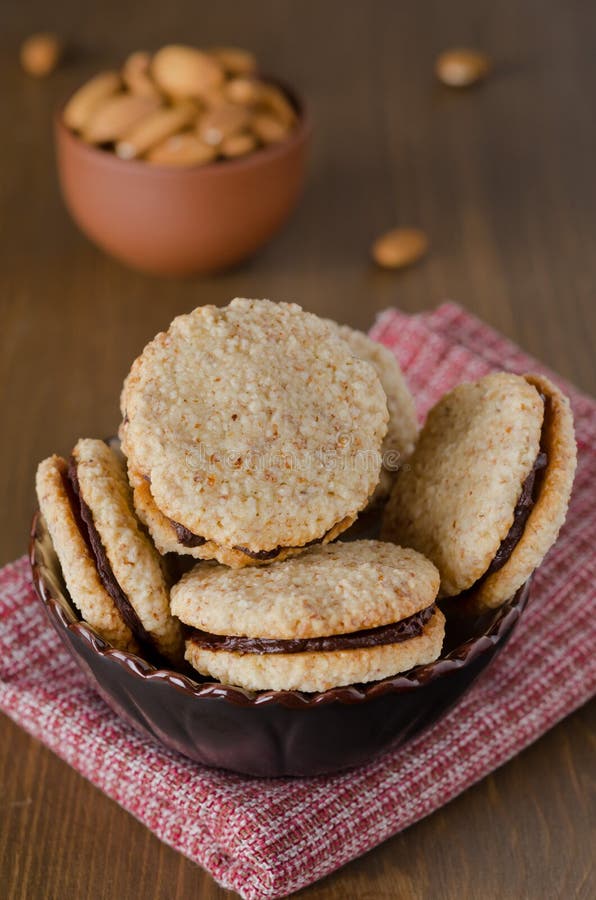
x=268, y=838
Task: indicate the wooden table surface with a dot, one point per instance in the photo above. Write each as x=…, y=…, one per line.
x=501, y=177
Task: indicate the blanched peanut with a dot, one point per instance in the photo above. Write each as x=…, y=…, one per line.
x=185, y=72
x=238, y=145
x=245, y=91
x=137, y=77
x=155, y=129
x=235, y=60
x=117, y=115
x=85, y=101
x=182, y=150
x=222, y=122
x=269, y=129
x=278, y=104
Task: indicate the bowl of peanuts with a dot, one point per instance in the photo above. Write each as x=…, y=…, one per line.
x=184, y=161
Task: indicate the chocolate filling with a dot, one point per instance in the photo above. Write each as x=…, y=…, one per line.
x=394, y=633
x=84, y=519
x=188, y=539
x=523, y=508
x=271, y=554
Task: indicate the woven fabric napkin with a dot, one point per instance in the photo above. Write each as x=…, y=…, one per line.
x=268, y=838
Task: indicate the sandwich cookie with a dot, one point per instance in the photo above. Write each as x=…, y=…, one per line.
x=112, y=571
x=171, y=537
x=402, y=429
x=487, y=488
x=60, y=510
x=252, y=432
x=344, y=613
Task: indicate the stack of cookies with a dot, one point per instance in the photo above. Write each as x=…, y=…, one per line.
x=252, y=437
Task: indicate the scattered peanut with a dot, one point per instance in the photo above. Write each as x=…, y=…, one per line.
x=235, y=61
x=182, y=150
x=185, y=72
x=117, y=115
x=399, y=247
x=137, y=76
x=462, y=67
x=40, y=54
x=182, y=106
x=85, y=101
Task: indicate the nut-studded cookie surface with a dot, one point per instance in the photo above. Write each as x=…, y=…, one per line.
x=254, y=425
x=402, y=429
x=455, y=499
x=136, y=566
x=166, y=539
x=552, y=494
x=75, y=556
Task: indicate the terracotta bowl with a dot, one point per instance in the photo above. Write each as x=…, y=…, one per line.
x=171, y=220
x=271, y=733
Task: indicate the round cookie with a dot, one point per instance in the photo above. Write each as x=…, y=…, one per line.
x=487, y=487
x=254, y=425
x=166, y=539
x=76, y=559
x=402, y=430
x=339, y=614
x=550, y=505
x=105, y=496
x=319, y=671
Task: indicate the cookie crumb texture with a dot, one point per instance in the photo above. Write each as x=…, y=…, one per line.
x=255, y=424
x=76, y=561
x=455, y=500
x=402, y=429
x=166, y=539
x=550, y=507
x=133, y=559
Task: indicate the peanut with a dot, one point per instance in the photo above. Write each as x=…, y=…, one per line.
x=185, y=72
x=204, y=99
x=245, y=91
x=399, y=247
x=222, y=122
x=269, y=129
x=277, y=103
x=213, y=98
x=136, y=75
x=116, y=116
x=40, y=54
x=182, y=150
x=155, y=129
x=235, y=60
x=237, y=145
x=85, y=101
x=462, y=67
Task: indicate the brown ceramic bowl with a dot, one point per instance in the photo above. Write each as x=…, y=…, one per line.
x=172, y=220
x=271, y=733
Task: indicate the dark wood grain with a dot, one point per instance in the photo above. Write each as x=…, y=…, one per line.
x=501, y=177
